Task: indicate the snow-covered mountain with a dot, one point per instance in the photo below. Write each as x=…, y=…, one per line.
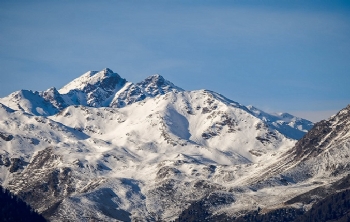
x=107, y=89
x=104, y=148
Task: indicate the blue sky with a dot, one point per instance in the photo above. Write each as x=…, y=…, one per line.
x=288, y=56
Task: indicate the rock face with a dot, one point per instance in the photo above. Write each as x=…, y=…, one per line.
x=47, y=184
x=324, y=135
x=6, y=137
x=157, y=85
x=102, y=148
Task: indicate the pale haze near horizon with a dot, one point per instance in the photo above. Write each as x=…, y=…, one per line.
x=280, y=57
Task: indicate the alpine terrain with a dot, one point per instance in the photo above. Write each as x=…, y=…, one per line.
x=103, y=148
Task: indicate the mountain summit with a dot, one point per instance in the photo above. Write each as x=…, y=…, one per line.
x=105, y=79
x=157, y=85
x=103, y=88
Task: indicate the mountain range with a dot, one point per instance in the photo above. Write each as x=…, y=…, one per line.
x=102, y=148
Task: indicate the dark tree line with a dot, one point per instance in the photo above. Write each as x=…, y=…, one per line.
x=13, y=208
x=335, y=207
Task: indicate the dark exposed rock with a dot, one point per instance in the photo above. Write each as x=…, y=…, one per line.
x=6, y=137
x=4, y=160
x=263, y=140
x=167, y=171
x=210, y=168
x=206, y=186
x=205, y=110
x=44, y=158
x=200, y=210
x=208, y=135
x=217, y=127
x=256, y=152
x=78, y=163
x=266, y=139
x=16, y=164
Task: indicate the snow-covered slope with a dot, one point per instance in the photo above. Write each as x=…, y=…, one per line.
x=195, y=119
x=104, y=148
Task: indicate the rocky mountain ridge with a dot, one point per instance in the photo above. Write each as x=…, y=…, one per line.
x=107, y=89
x=94, y=89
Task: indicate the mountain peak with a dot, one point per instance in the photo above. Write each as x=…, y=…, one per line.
x=156, y=84
x=155, y=79
x=92, y=78
x=107, y=70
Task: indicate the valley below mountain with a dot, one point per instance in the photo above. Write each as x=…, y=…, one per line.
x=105, y=149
